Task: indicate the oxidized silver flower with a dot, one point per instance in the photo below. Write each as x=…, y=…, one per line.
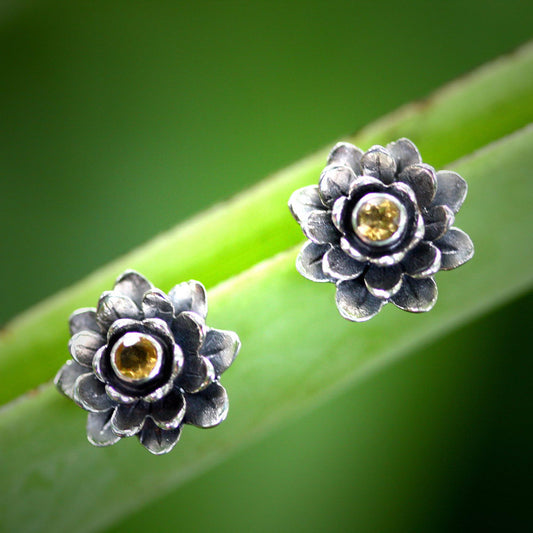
x=144, y=363
x=379, y=226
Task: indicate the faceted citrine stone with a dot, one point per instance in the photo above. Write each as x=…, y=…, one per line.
x=136, y=356
x=377, y=218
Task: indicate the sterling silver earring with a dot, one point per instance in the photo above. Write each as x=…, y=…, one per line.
x=379, y=226
x=144, y=363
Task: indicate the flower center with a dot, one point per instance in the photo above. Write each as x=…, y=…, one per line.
x=379, y=219
x=136, y=357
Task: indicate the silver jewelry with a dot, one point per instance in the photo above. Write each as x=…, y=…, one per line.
x=144, y=363
x=379, y=226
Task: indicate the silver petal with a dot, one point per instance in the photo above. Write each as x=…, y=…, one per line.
x=197, y=374
x=122, y=325
x=67, y=376
x=159, y=393
x=340, y=266
x=168, y=412
x=347, y=248
x=337, y=213
x=437, y=222
x=456, y=248
x=451, y=190
x=133, y=285
x=82, y=320
x=354, y=302
x=189, y=331
x=384, y=282
x=113, y=306
x=127, y=420
x=156, y=304
x=99, y=429
x=416, y=295
x=346, y=154
x=379, y=163
x=319, y=228
x=189, y=296
x=404, y=152
x=97, y=364
x=83, y=345
x=156, y=325
x=423, y=261
x=207, y=408
x=220, y=347
x=309, y=261
x=335, y=182
x=364, y=180
x=422, y=180
x=304, y=201
x=156, y=440
x=118, y=396
x=90, y=393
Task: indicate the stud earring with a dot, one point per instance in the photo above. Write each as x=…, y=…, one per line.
x=379, y=226
x=144, y=363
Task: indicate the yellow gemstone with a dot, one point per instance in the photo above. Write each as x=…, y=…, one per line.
x=377, y=219
x=135, y=356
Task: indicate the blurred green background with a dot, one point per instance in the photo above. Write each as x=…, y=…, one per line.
x=119, y=119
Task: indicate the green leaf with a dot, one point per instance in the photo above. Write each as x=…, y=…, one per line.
x=296, y=350
x=466, y=115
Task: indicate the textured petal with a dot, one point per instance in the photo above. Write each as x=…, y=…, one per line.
x=83, y=320
x=189, y=296
x=335, y=182
x=67, y=376
x=423, y=180
x=338, y=210
x=304, y=201
x=437, y=222
x=161, y=328
x=83, y=345
x=309, y=261
x=220, y=347
x=113, y=306
x=127, y=420
x=118, y=397
x=379, y=163
x=156, y=440
x=354, y=253
x=189, y=330
x=207, y=408
x=416, y=295
x=456, y=248
x=383, y=282
x=121, y=326
x=97, y=364
x=354, y=302
x=197, y=374
x=168, y=412
x=346, y=154
x=99, y=429
x=90, y=394
x=423, y=261
x=319, y=228
x=451, y=190
x=340, y=266
x=404, y=152
x=361, y=181
x=156, y=304
x=133, y=285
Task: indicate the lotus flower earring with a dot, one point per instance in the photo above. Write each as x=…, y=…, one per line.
x=379, y=226
x=144, y=363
